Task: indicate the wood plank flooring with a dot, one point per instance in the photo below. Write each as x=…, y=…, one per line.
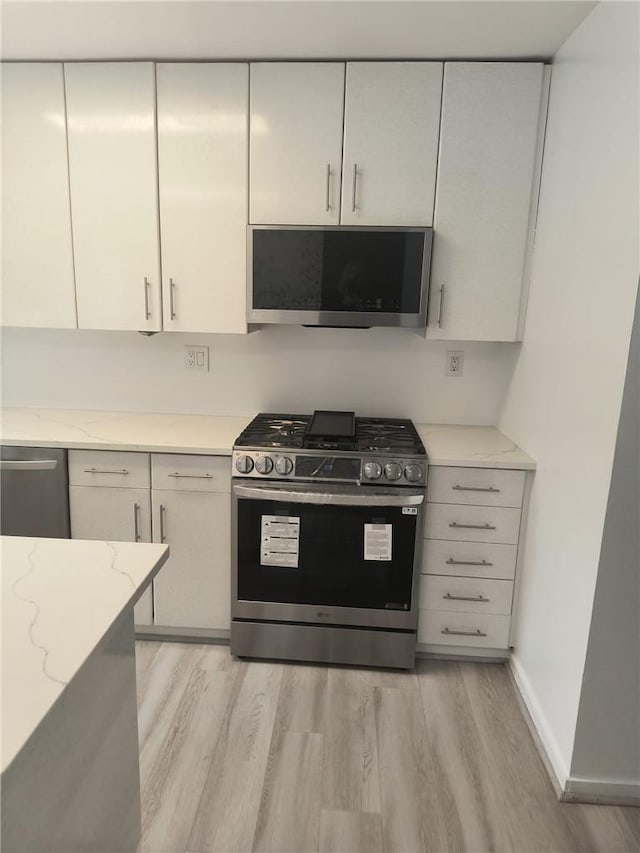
x=239, y=756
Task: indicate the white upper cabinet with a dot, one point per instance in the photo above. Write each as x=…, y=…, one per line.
x=114, y=194
x=391, y=128
x=202, y=161
x=488, y=169
x=37, y=260
x=296, y=142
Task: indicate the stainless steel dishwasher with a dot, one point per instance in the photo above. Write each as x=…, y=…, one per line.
x=34, y=492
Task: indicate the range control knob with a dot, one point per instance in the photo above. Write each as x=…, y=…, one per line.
x=244, y=464
x=264, y=465
x=284, y=466
x=372, y=470
x=413, y=473
x=392, y=471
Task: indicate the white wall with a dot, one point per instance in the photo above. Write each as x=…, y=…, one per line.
x=273, y=29
x=607, y=743
x=392, y=372
x=563, y=404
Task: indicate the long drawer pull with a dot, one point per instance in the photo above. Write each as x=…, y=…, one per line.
x=163, y=512
x=121, y=471
x=136, y=526
x=176, y=475
x=473, y=526
x=450, y=597
x=452, y=562
x=475, y=489
x=476, y=633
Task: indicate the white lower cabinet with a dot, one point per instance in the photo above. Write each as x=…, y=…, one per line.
x=192, y=590
x=116, y=513
x=180, y=499
x=191, y=513
x=469, y=559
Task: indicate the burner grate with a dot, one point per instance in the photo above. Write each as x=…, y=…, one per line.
x=373, y=435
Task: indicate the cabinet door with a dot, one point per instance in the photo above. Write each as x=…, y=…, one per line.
x=491, y=120
x=114, y=194
x=296, y=142
x=193, y=589
x=203, y=113
x=37, y=263
x=121, y=515
x=391, y=127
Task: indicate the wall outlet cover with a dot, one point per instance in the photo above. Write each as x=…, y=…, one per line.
x=196, y=358
x=455, y=363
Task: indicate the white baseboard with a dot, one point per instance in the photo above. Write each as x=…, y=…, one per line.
x=568, y=789
x=183, y=635
x=609, y=792
x=538, y=726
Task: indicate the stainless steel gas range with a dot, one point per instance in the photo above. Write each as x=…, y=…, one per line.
x=327, y=518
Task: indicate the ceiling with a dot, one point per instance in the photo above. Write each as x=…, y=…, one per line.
x=286, y=29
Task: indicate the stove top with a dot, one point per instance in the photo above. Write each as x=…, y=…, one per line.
x=372, y=435
x=331, y=446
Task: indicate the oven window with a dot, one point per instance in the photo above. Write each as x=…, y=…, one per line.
x=330, y=555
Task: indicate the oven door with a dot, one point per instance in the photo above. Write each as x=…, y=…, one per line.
x=342, y=555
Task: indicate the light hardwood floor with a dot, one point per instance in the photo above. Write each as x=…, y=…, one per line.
x=243, y=756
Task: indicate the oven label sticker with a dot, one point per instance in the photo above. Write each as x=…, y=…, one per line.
x=377, y=541
x=280, y=540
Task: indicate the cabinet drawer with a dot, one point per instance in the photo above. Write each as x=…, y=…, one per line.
x=109, y=468
x=182, y=473
x=445, y=628
x=472, y=523
x=479, y=486
x=469, y=559
x=466, y=595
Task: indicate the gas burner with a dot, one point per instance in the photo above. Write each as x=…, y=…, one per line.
x=283, y=424
x=375, y=447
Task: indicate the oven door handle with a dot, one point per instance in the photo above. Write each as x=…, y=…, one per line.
x=326, y=498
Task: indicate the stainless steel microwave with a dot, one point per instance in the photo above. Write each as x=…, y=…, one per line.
x=338, y=275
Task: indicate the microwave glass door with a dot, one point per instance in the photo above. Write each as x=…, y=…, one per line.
x=330, y=270
x=354, y=556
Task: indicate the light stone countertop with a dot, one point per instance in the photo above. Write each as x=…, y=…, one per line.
x=446, y=444
x=87, y=430
x=472, y=447
x=59, y=599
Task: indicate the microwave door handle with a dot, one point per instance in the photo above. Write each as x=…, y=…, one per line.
x=326, y=498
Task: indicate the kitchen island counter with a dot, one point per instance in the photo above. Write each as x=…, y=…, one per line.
x=69, y=725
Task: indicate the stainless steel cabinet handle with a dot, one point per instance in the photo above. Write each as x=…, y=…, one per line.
x=452, y=562
x=121, y=471
x=475, y=489
x=192, y=476
x=354, y=187
x=172, y=300
x=136, y=526
x=326, y=498
x=450, y=597
x=163, y=511
x=441, y=303
x=28, y=464
x=147, y=285
x=476, y=633
x=473, y=526
x=328, y=199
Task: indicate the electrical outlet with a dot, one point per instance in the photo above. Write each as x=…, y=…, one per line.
x=455, y=363
x=196, y=358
